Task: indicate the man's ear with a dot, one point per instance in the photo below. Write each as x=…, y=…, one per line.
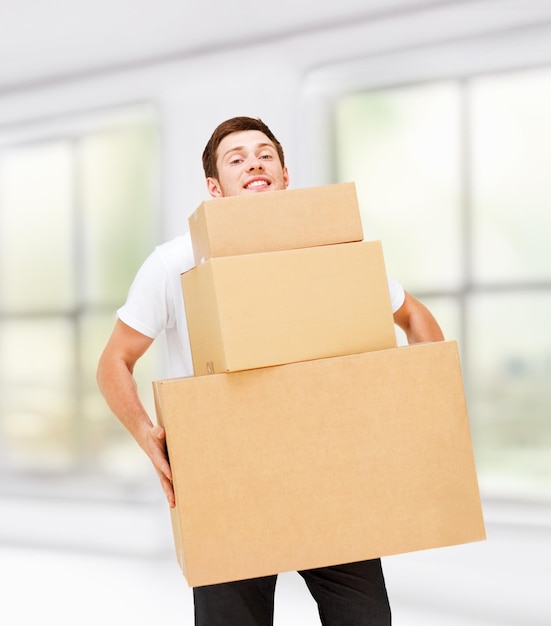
x=286, y=176
x=214, y=187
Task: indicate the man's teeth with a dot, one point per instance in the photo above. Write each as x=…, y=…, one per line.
x=257, y=183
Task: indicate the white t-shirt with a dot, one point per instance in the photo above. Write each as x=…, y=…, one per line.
x=155, y=302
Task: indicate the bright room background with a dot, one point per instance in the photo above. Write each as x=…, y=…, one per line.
x=440, y=112
x=447, y=141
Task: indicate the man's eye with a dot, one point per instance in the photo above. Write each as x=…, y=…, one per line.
x=235, y=161
x=266, y=156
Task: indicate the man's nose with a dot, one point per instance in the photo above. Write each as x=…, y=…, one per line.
x=255, y=163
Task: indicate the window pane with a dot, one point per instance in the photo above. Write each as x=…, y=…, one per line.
x=511, y=139
x=401, y=147
x=509, y=382
x=37, y=394
x=37, y=272
x=120, y=188
x=76, y=219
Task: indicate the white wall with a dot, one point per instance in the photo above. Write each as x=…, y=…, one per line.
x=288, y=83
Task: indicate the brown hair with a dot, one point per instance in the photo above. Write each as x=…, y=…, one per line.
x=234, y=125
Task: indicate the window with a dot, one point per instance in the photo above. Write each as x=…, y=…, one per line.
x=452, y=177
x=78, y=214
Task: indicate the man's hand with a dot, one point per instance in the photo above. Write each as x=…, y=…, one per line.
x=155, y=447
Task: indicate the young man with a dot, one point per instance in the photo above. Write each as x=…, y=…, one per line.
x=241, y=157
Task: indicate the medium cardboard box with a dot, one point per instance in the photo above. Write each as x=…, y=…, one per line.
x=272, y=308
x=280, y=220
x=319, y=463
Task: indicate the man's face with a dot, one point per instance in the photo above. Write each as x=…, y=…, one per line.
x=247, y=163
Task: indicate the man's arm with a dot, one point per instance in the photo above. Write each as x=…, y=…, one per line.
x=116, y=383
x=417, y=321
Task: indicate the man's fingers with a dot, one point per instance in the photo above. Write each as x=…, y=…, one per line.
x=160, y=460
x=168, y=489
x=158, y=432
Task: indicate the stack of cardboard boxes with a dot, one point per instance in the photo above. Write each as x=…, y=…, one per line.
x=315, y=440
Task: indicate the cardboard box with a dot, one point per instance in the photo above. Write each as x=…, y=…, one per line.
x=272, y=308
x=318, y=463
x=279, y=220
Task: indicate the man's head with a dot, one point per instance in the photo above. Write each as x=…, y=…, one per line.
x=243, y=156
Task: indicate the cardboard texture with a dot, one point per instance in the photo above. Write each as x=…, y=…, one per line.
x=318, y=463
x=280, y=220
x=271, y=308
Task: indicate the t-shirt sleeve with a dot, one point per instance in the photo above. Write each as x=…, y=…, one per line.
x=148, y=307
x=397, y=294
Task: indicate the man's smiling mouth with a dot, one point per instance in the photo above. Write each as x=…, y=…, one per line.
x=257, y=183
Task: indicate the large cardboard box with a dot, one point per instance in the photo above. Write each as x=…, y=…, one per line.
x=318, y=463
x=272, y=308
x=280, y=220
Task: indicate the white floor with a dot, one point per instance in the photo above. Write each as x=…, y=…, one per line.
x=504, y=581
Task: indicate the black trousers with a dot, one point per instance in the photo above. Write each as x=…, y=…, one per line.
x=347, y=595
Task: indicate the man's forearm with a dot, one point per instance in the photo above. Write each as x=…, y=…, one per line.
x=424, y=329
x=417, y=321
x=118, y=387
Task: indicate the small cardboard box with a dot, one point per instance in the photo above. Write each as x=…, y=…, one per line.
x=272, y=308
x=280, y=220
x=319, y=463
